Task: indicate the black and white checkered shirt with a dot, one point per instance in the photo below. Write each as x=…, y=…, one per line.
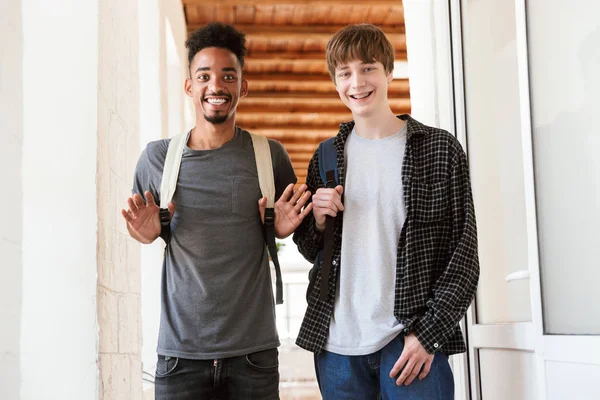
x=437, y=267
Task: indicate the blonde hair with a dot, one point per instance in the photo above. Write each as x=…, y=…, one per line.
x=364, y=42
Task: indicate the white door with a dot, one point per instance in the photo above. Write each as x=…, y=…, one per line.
x=526, y=88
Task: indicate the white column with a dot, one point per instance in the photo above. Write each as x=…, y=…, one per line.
x=11, y=228
x=59, y=332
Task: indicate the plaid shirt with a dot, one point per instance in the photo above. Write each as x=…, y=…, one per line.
x=437, y=266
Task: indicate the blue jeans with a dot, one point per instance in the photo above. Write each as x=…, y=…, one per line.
x=253, y=376
x=367, y=377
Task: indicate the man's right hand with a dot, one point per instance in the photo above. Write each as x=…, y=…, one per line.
x=143, y=221
x=326, y=202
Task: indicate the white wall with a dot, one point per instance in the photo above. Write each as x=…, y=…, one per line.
x=60, y=70
x=11, y=229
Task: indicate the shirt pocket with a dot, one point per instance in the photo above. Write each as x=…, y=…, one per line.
x=245, y=196
x=429, y=201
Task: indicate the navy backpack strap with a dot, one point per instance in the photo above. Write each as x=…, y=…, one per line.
x=328, y=160
x=329, y=176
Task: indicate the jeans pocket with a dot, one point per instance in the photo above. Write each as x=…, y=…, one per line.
x=266, y=360
x=165, y=366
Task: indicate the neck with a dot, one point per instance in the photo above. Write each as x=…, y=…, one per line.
x=378, y=126
x=207, y=136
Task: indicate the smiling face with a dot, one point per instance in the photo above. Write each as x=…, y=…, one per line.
x=362, y=87
x=216, y=84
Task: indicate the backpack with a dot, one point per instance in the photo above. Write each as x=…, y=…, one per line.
x=329, y=176
x=266, y=181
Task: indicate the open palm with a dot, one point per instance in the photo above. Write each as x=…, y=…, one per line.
x=288, y=210
x=143, y=221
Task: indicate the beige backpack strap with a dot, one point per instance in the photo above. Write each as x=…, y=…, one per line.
x=168, y=184
x=264, y=166
x=266, y=181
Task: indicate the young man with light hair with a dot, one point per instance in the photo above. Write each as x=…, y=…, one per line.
x=404, y=265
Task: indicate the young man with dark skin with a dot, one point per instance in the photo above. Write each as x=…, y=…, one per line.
x=217, y=337
x=405, y=267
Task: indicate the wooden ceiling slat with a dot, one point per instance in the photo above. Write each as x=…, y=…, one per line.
x=191, y=15
x=301, y=16
x=397, y=86
x=225, y=14
x=206, y=14
x=304, y=148
x=292, y=103
x=283, y=14
x=340, y=16
x=307, y=29
x=264, y=14
x=395, y=16
x=297, y=120
x=293, y=51
x=357, y=15
x=314, y=3
x=379, y=14
x=296, y=135
x=318, y=41
x=321, y=13
x=244, y=15
x=295, y=66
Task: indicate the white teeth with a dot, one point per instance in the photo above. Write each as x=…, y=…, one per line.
x=216, y=102
x=360, y=96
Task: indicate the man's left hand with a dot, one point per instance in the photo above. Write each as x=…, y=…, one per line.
x=413, y=361
x=288, y=210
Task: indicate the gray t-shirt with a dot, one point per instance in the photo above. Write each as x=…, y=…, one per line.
x=363, y=320
x=216, y=292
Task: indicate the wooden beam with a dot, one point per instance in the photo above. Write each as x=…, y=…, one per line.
x=316, y=42
x=292, y=103
x=251, y=29
x=297, y=135
x=396, y=87
x=287, y=54
x=303, y=148
x=288, y=120
x=303, y=66
x=391, y=3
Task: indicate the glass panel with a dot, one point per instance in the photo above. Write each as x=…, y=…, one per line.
x=507, y=374
x=495, y=156
x=565, y=99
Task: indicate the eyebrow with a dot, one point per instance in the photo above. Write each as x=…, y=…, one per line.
x=226, y=69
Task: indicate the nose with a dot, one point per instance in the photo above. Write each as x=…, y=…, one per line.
x=215, y=85
x=357, y=81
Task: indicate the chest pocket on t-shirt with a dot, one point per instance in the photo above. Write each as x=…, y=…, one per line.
x=245, y=195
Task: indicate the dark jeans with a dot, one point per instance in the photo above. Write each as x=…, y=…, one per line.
x=253, y=376
x=367, y=377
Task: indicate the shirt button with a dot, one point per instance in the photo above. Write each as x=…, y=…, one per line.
x=436, y=345
x=334, y=263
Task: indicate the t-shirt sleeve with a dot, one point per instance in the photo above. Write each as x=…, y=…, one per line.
x=149, y=168
x=283, y=171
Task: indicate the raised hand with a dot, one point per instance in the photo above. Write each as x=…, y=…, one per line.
x=288, y=210
x=413, y=361
x=143, y=222
x=327, y=202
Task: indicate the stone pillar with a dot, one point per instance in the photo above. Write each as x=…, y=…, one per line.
x=119, y=302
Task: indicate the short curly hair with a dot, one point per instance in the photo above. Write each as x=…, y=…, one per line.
x=218, y=35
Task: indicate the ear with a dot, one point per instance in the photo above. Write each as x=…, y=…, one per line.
x=187, y=86
x=390, y=77
x=244, y=89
